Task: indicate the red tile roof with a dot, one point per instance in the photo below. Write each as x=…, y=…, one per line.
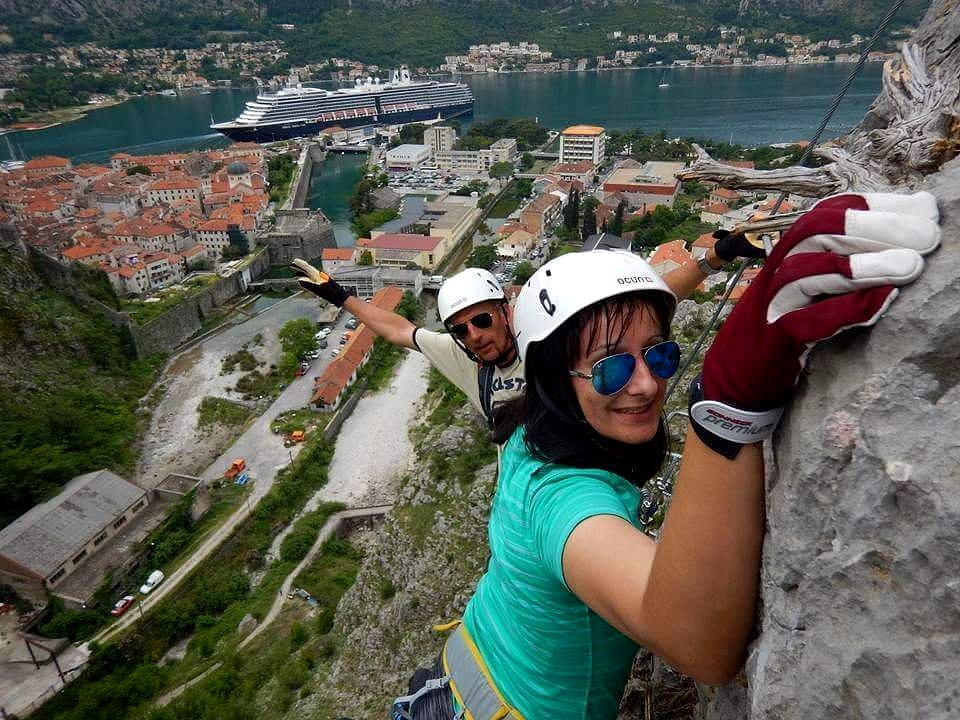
x=707, y=240
x=725, y=193
x=47, y=162
x=716, y=208
x=180, y=184
x=401, y=241
x=336, y=254
x=574, y=168
x=673, y=251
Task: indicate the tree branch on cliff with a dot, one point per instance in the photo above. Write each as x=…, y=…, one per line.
x=910, y=130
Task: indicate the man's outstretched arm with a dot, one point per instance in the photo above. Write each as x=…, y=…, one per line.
x=393, y=328
x=728, y=247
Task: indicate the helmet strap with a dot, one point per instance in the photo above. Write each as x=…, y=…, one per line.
x=552, y=406
x=503, y=359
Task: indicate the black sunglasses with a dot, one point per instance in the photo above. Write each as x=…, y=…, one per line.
x=480, y=320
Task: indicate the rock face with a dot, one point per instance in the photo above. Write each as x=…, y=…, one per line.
x=419, y=570
x=247, y=625
x=860, y=607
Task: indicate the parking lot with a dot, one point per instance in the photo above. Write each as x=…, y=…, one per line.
x=425, y=180
x=505, y=268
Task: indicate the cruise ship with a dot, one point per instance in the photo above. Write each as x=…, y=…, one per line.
x=297, y=111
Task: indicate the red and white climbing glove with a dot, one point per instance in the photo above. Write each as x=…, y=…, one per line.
x=837, y=267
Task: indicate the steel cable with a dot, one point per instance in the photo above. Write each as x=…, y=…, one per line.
x=808, y=151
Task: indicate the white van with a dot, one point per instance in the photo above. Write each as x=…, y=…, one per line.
x=156, y=577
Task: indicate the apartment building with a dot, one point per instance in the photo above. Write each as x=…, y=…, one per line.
x=583, y=143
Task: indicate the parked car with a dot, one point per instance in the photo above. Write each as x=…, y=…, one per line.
x=352, y=323
x=322, y=343
x=122, y=605
x=336, y=351
x=156, y=577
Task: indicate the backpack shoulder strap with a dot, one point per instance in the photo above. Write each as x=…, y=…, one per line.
x=485, y=382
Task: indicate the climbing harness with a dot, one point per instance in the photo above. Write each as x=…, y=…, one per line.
x=470, y=680
x=485, y=382
x=403, y=705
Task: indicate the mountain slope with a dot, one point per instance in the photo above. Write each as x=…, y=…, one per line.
x=70, y=383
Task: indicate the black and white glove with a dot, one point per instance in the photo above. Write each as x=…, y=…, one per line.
x=319, y=283
x=730, y=246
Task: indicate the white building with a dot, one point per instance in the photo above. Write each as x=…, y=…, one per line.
x=407, y=157
x=439, y=138
x=168, y=191
x=583, y=143
x=478, y=161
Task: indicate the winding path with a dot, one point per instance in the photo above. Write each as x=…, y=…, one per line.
x=328, y=529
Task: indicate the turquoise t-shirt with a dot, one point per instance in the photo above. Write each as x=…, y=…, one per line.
x=548, y=653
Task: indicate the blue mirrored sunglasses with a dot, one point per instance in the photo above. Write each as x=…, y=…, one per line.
x=611, y=374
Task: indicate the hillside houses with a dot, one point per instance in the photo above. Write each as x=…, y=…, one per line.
x=144, y=228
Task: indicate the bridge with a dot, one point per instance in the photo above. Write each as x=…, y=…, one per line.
x=348, y=148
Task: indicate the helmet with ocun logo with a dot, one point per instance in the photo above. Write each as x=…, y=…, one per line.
x=572, y=282
x=466, y=288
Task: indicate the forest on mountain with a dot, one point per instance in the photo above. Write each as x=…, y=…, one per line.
x=420, y=31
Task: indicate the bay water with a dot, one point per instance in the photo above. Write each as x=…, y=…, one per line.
x=745, y=105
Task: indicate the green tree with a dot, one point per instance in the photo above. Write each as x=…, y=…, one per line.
x=588, y=210
x=526, y=161
x=522, y=273
x=501, y=170
x=616, y=224
x=296, y=340
x=138, y=170
x=238, y=240
x=363, y=224
x=410, y=307
x=571, y=213
x=366, y=258
x=482, y=256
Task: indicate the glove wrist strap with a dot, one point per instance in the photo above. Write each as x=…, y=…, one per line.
x=337, y=294
x=724, y=428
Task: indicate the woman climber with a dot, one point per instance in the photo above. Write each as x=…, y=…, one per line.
x=573, y=586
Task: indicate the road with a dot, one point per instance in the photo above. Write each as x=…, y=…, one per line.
x=264, y=452
x=329, y=527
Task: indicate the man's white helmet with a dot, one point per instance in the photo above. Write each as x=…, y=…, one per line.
x=572, y=282
x=467, y=288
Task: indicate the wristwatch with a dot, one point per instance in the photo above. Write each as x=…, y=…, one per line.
x=705, y=267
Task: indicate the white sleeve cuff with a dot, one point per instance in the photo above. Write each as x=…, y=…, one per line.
x=733, y=424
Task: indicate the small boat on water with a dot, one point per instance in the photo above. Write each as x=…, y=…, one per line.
x=168, y=93
x=663, y=82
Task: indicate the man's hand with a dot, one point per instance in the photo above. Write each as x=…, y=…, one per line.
x=319, y=283
x=733, y=245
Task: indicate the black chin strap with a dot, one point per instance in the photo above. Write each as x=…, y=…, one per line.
x=552, y=407
x=504, y=359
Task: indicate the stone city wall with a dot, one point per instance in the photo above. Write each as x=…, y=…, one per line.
x=164, y=333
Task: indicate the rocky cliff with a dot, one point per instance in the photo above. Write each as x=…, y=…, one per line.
x=420, y=569
x=860, y=606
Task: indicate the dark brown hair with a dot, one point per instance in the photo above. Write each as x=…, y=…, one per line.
x=556, y=430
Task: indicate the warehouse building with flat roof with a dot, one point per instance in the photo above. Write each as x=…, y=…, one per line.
x=42, y=548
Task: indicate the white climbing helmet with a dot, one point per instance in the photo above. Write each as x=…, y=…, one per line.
x=571, y=282
x=472, y=286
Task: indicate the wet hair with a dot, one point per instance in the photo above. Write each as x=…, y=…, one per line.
x=556, y=430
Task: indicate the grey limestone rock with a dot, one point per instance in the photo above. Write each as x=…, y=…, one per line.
x=860, y=585
x=247, y=625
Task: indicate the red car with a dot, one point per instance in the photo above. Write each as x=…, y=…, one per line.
x=122, y=605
